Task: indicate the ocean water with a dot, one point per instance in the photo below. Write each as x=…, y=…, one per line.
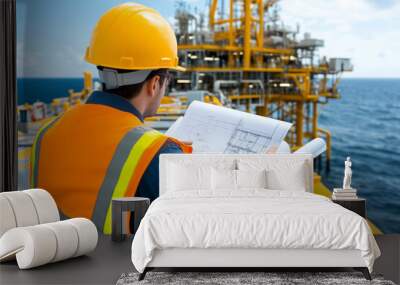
x=31, y=90
x=364, y=123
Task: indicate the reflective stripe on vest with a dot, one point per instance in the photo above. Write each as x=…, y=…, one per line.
x=120, y=171
x=35, y=152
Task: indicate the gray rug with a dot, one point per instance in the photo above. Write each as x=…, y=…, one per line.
x=228, y=278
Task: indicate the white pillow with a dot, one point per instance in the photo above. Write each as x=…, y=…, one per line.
x=251, y=178
x=223, y=179
x=281, y=174
x=182, y=177
x=291, y=179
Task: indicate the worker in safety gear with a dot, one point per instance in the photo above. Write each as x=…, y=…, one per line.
x=101, y=150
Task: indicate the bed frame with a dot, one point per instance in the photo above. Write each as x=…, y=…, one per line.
x=260, y=259
x=245, y=259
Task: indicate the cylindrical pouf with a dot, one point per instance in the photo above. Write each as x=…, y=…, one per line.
x=37, y=245
x=23, y=208
x=67, y=240
x=7, y=218
x=45, y=205
x=33, y=246
x=26, y=208
x=87, y=233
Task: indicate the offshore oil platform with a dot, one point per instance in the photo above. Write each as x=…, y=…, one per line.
x=247, y=59
x=250, y=60
x=244, y=58
x=241, y=56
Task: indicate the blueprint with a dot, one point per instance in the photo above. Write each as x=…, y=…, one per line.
x=314, y=147
x=219, y=129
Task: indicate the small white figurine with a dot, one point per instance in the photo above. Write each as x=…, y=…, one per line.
x=347, y=174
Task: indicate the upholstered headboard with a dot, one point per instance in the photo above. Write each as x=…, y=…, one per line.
x=235, y=161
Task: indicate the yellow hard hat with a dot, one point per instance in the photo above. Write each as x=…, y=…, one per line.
x=133, y=37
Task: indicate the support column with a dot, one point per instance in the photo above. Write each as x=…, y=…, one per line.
x=299, y=123
x=247, y=34
x=315, y=119
x=231, y=34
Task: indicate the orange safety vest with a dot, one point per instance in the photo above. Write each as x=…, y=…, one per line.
x=92, y=154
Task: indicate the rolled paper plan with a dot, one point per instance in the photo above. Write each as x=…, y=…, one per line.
x=314, y=147
x=284, y=147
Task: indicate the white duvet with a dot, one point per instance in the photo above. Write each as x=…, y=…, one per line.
x=250, y=219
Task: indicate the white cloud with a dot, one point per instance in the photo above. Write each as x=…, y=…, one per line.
x=357, y=29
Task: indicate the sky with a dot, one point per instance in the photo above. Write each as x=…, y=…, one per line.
x=52, y=35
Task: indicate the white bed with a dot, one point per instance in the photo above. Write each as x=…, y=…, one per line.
x=202, y=220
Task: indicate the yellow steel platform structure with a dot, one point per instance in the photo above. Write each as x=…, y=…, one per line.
x=264, y=68
x=261, y=66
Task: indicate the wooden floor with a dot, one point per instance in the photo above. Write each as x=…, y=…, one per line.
x=110, y=260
